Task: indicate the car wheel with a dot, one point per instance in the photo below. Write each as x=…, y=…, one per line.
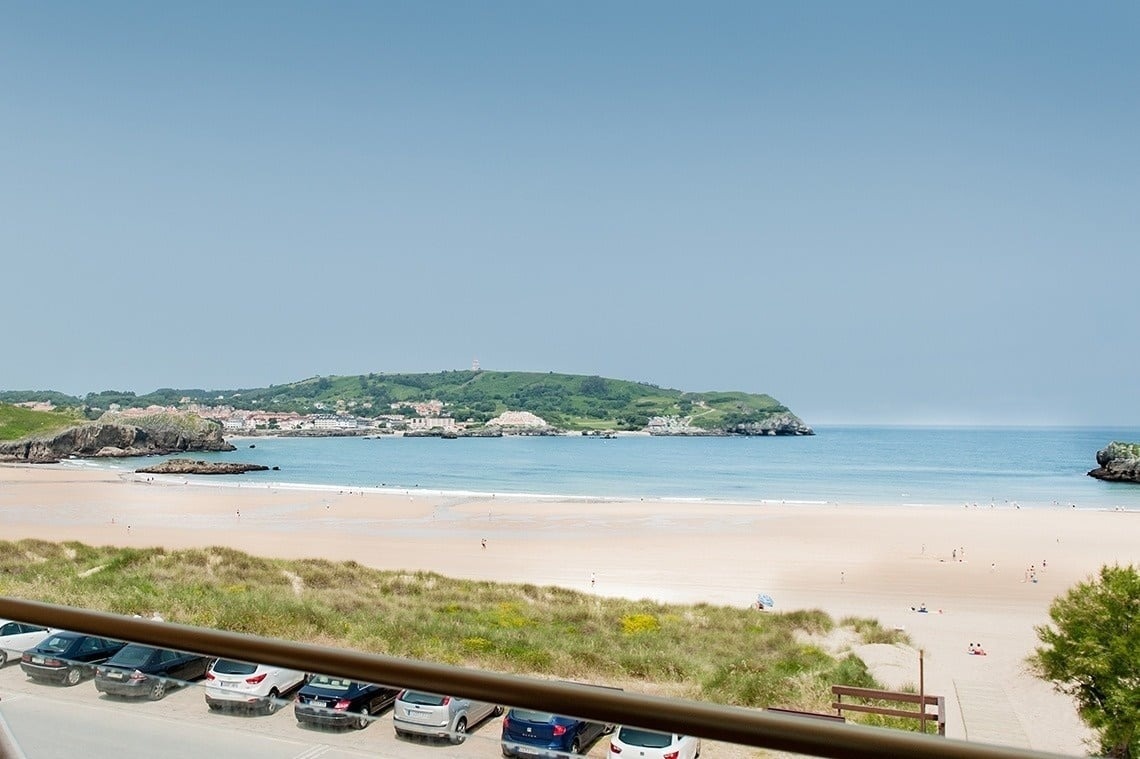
x=157, y=690
x=213, y=707
x=362, y=720
x=3, y=657
x=73, y=676
x=460, y=733
x=575, y=747
x=271, y=703
x=497, y=711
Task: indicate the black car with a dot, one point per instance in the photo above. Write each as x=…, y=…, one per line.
x=67, y=657
x=333, y=701
x=139, y=670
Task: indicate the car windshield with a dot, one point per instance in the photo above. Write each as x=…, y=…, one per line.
x=57, y=644
x=526, y=715
x=330, y=683
x=231, y=667
x=426, y=699
x=635, y=736
x=132, y=656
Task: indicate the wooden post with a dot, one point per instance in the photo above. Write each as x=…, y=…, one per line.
x=921, y=695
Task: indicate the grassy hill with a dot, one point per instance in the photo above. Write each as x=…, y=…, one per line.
x=721, y=654
x=17, y=423
x=569, y=401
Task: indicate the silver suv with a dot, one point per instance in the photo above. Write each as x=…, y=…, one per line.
x=429, y=715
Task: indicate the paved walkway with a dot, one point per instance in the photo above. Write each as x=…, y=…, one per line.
x=988, y=715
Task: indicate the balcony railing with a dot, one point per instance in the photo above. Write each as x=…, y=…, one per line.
x=749, y=727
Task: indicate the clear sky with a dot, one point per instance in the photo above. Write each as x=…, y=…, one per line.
x=890, y=212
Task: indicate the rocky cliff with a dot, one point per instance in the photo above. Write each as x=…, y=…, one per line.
x=1118, y=462
x=779, y=424
x=114, y=436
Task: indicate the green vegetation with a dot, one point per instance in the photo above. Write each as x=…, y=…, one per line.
x=17, y=422
x=1119, y=450
x=732, y=656
x=1091, y=651
x=569, y=401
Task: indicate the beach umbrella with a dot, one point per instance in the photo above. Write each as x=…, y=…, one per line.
x=765, y=600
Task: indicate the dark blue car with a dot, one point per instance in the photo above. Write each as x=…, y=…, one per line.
x=531, y=733
x=336, y=702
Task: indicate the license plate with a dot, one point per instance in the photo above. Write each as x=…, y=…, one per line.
x=226, y=684
x=320, y=703
x=528, y=750
x=37, y=660
x=115, y=675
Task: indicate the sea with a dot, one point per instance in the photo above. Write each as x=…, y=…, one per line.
x=1030, y=467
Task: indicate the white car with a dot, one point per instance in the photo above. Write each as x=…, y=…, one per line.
x=426, y=714
x=16, y=637
x=635, y=743
x=253, y=686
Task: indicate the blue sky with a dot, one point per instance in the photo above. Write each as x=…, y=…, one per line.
x=876, y=212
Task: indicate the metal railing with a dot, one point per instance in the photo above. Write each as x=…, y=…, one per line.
x=750, y=727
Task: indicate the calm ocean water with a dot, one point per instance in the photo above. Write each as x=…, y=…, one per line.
x=895, y=465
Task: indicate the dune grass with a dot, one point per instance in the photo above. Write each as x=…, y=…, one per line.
x=705, y=652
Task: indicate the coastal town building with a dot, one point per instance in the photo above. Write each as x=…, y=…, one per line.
x=445, y=423
x=431, y=408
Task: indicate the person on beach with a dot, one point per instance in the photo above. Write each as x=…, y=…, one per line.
x=483, y=543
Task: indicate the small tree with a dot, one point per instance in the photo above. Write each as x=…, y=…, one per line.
x=1092, y=653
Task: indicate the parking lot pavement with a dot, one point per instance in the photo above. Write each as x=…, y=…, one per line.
x=55, y=719
x=49, y=719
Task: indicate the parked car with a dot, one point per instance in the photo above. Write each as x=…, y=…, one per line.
x=67, y=657
x=426, y=714
x=532, y=733
x=252, y=686
x=138, y=670
x=17, y=637
x=335, y=702
x=636, y=743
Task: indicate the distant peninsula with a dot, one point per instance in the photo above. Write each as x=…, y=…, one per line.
x=567, y=402
x=1118, y=462
x=450, y=404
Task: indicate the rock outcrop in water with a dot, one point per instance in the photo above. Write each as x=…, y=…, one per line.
x=118, y=436
x=1118, y=462
x=778, y=424
x=186, y=466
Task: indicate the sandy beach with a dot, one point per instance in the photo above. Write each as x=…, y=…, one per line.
x=967, y=566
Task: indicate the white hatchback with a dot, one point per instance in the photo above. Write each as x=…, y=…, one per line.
x=635, y=743
x=254, y=686
x=16, y=637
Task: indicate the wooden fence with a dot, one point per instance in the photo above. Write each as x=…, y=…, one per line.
x=865, y=695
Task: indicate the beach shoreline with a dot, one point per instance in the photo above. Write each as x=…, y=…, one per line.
x=970, y=567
